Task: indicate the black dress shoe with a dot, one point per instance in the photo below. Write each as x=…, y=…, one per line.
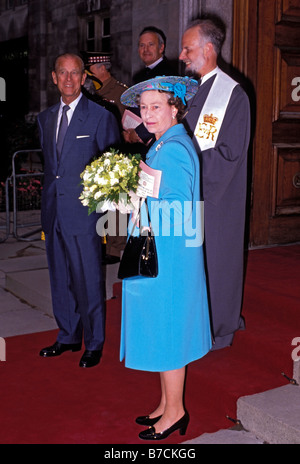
x=146, y=420
x=181, y=425
x=58, y=348
x=90, y=358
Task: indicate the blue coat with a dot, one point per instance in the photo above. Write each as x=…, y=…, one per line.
x=165, y=320
x=92, y=130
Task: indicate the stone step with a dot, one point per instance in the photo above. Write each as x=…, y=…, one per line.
x=272, y=416
x=30, y=282
x=226, y=437
x=24, y=264
x=33, y=287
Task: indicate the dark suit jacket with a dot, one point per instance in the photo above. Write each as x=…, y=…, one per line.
x=164, y=68
x=92, y=130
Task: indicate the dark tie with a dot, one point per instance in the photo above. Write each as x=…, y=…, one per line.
x=62, y=130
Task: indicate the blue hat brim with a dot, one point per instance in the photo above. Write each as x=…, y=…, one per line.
x=164, y=83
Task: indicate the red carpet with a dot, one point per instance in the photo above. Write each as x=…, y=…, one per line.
x=47, y=401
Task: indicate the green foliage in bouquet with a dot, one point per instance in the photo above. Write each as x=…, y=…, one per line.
x=108, y=178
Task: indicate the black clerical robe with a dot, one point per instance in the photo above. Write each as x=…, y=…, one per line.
x=224, y=188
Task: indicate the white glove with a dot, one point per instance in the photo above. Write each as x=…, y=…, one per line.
x=106, y=205
x=124, y=209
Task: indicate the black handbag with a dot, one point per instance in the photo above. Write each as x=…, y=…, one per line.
x=139, y=257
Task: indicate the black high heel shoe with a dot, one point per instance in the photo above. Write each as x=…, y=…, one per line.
x=146, y=420
x=181, y=425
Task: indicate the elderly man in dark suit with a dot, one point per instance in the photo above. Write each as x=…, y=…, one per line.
x=72, y=132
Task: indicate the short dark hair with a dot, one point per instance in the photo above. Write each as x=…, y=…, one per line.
x=212, y=29
x=161, y=36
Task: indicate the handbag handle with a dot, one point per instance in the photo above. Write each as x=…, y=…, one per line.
x=139, y=215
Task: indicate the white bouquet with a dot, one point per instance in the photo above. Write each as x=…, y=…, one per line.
x=109, y=181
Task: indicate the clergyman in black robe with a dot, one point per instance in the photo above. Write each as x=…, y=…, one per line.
x=224, y=184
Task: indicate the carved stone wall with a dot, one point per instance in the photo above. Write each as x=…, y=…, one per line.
x=54, y=27
x=121, y=39
x=172, y=16
x=224, y=9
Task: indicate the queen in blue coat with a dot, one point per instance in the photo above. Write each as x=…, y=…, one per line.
x=165, y=320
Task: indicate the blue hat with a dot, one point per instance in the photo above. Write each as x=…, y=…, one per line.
x=182, y=87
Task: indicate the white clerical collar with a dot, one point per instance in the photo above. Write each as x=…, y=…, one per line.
x=209, y=75
x=151, y=66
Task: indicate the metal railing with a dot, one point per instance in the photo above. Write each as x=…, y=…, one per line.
x=23, y=194
x=5, y=215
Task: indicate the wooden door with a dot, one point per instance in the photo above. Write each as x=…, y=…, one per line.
x=267, y=50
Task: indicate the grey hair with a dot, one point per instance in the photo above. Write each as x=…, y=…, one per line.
x=70, y=55
x=211, y=30
x=106, y=65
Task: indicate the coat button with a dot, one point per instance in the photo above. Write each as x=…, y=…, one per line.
x=57, y=177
